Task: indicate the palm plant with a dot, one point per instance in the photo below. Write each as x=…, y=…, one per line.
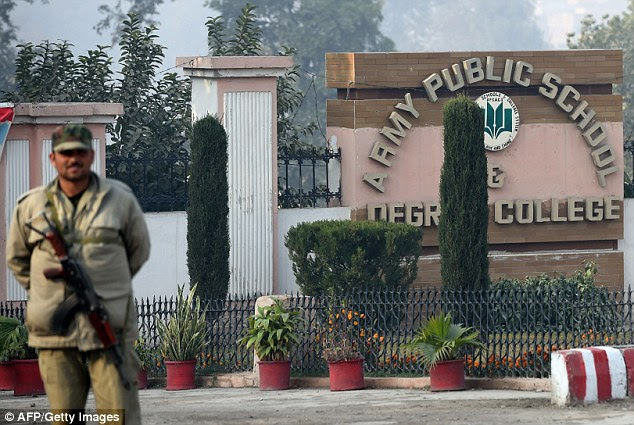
x=441, y=339
x=184, y=334
x=14, y=340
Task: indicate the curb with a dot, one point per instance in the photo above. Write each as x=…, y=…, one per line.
x=247, y=380
x=591, y=375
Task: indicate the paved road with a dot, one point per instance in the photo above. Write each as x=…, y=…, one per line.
x=367, y=407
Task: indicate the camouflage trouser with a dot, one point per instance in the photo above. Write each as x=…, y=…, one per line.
x=69, y=373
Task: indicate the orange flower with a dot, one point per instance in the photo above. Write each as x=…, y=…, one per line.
x=376, y=335
x=362, y=333
x=362, y=315
x=355, y=323
x=381, y=339
x=349, y=315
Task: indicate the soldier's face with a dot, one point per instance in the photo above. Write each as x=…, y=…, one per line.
x=73, y=165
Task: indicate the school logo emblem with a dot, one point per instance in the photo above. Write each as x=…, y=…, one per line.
x=501, y=120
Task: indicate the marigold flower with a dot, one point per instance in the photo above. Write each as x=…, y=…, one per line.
x=376, y=335
x=381, y=339
x=355, y=323
x=362, y=315
x=349, y=315
x=362, y=332
x=356, y=313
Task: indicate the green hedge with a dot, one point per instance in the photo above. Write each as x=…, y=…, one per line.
x=550, y=303
x=336, y=257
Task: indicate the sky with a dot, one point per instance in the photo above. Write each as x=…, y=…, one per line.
x=182, y=23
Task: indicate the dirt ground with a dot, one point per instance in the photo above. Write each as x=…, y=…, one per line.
x=369, y=407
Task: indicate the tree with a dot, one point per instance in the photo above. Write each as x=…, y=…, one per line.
x=207, y=215
x=157, y=110
x=315, y=27
x=464, y=218
x=616, y=32
x=423, y=25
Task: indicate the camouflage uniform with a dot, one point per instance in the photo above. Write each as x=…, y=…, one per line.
x=106, y=233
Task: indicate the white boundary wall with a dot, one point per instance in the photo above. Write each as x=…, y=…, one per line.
x=167, y=266
x=627, y=244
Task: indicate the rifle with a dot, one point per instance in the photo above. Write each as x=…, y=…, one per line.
x=83, y=299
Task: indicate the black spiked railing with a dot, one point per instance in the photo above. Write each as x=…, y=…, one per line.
x=520, y=327
x=305, y=178
x=159, y=182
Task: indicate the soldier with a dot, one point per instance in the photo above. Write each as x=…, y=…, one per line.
x=103, y=225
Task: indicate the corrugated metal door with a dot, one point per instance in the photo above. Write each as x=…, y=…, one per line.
x=248, y=117
x=17, y=182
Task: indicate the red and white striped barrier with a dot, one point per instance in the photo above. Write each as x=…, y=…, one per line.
x=591, y=375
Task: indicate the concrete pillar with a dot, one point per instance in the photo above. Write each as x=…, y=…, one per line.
x=24, y=162
x=241, y=92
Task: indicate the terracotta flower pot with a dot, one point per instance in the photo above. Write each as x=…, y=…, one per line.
x=346, y=375
x=447, y=375
x=180, y=375
x=7, y=376
x=275, y=375
x=142, y=379
x=28, y=380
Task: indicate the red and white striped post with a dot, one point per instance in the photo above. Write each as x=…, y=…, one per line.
x=591, y=375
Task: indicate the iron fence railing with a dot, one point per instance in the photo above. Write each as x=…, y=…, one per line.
x=308, y=177
x=520, y=327
x=159, y=183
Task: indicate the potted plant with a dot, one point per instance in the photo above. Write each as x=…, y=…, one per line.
x=182, y=338
x=271, y=333
x=340, y=350
x=345, y=362
x=439, y=346
x=14, y=336
x=145, y=355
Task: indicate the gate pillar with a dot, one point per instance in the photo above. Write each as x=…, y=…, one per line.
x=241, y=91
